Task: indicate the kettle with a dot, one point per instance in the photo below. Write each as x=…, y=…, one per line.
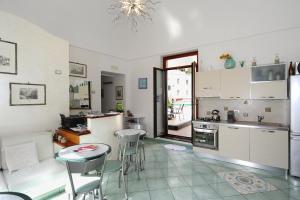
x=215, y=115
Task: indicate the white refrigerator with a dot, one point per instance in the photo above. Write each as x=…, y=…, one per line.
x=295, y=126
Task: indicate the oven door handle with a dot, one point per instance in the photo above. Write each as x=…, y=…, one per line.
x=205, y=130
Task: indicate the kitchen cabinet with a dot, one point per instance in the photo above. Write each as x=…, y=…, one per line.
x=235, y=83
x=269, y=82
x=269, y=90
x=269, y=147
x=234, y=142
x=207, y=84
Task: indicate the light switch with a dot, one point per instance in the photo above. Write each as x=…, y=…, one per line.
x=268, y=109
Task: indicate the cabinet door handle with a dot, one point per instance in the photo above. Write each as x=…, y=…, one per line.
x=205, y=88
x=238, y=97
x=231, y=97
x=233, y=127
x=272, y=97
x=269, y=131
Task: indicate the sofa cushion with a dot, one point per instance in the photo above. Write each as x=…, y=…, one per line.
x=43, y=142
x=39, y=179
x=3, y=186
x=21, y=156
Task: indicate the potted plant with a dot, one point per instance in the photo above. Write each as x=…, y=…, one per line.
x=229, y=61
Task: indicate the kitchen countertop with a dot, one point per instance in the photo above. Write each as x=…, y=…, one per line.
x=250, y=124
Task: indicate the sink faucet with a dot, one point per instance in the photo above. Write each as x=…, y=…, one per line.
x=260, y=118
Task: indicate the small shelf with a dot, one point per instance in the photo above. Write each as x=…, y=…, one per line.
x=267, y=73
x=67, y=144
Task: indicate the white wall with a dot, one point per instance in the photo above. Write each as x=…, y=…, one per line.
x=97, y=62
x=264, y=47
x=39, y=55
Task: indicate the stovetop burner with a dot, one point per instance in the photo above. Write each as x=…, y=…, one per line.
x=207, y=119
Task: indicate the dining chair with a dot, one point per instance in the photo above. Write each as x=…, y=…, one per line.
x=129, y=149
x=142, y=153
x=80, y=182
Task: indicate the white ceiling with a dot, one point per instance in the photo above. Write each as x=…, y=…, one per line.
x=177, y=24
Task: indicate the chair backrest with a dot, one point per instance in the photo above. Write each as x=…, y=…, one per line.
x=83, y=168
x=126, y=141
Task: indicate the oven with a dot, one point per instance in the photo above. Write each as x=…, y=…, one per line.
x=205, y=135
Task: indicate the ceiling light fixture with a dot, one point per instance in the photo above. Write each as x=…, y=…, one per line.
x=133, y=10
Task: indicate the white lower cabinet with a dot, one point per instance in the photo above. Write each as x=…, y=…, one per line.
x=269, y=147
x=234, y=142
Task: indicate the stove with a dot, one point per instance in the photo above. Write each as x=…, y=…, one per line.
x=205, y=134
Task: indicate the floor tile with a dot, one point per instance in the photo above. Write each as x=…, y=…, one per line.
x=205, y=192
x=255, y=196
x=194, y=180
x=235, y=198
x=176, y=182
x=293, y=192
x=113, y=188
x=212, y=178
x=139, y=196
x=137, y=186
x=277, y=195
x=156, y=184
x=183, y=193
x=224, y=189
x=279, y=183
x=161, y=195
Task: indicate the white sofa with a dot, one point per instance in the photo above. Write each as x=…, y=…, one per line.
x=39, y=181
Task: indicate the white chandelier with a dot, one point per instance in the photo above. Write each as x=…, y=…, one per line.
x=133, y=10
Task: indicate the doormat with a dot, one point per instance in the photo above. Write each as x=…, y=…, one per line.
x=175, y=147
x=246, y=183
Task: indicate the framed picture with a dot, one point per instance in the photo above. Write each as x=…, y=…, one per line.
x=78, y=70
x=119, y=92
x=143, y=83
x=8, y=57
x=25, y=94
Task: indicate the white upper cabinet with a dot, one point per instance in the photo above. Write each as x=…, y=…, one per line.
x=235, y=83
x=207, y=84
x=269, y=82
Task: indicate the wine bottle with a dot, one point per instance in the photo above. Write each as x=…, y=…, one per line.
x=291, y=69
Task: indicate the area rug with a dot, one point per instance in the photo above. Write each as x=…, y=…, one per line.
x=175, y=147
x=246, y=183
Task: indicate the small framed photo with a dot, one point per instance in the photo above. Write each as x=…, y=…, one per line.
x=78, y=70
x=119, y=92
x=143, y=83
x=25, y=94
x=8, y=57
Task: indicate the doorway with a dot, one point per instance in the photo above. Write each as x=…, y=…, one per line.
x=174, y=96
x=112, y=92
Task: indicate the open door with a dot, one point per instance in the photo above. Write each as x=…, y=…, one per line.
x=159, y=95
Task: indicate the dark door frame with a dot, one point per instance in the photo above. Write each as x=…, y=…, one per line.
x=194, y=68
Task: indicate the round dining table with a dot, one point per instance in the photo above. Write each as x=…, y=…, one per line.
x=13, y=196
x=130, y=132
x=77, y=153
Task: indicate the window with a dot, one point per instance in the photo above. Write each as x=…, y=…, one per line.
x=186, y=92
x=179, y=60
x=178, y=92
x=169, y=87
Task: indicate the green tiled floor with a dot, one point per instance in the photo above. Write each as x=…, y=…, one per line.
x=173, y=175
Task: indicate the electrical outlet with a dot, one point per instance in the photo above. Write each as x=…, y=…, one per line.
x=268, y=109
x=208, y=112
x=225, y=108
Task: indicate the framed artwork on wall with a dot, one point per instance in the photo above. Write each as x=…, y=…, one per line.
x=25, y=94
x=143, y=83
x=78, y=70
x=8, y=57
x=119, y=92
